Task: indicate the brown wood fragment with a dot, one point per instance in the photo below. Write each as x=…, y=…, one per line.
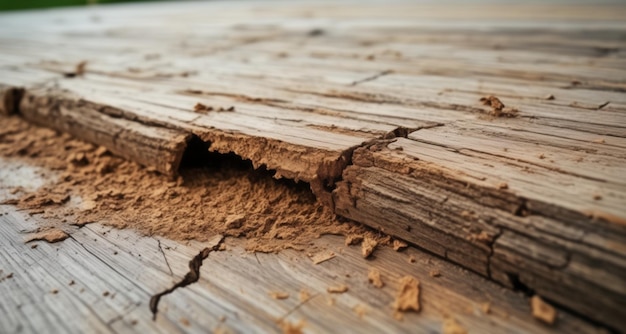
x=451, y=326
x=323, y=256
x=367, y=246
x=434, y=273
x=373, y=276
x=279, y=295
x=399, y=245
x=353, y=239
x=407, y=298
x=51, y=236
x=292, y=328
x=486, y=308
x=542, y=310
x=304, y=295
x=341, y=288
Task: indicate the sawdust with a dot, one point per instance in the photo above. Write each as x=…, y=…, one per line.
x=219, y=195
x=373, y=276
x=51, y=236
x=542, y=310
x=407, y=298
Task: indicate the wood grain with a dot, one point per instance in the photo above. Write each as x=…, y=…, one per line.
x=377, y=106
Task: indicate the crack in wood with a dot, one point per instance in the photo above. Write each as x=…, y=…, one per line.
x=191, y=277
x=370, y=78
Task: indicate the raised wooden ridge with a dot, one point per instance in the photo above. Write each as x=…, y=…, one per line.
x=384, y=100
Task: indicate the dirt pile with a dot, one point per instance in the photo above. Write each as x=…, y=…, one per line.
x=227, y=196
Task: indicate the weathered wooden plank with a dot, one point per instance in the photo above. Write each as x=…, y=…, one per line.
x=489, y=215
x=235, y=284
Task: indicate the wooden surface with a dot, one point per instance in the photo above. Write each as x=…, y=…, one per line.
x=101, y=279
x=383, y=98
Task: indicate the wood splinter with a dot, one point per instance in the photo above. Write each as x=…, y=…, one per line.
x=191, y=277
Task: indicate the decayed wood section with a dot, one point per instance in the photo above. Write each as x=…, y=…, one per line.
x=378, y=107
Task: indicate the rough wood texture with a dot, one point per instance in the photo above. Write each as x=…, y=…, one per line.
x=383, y=98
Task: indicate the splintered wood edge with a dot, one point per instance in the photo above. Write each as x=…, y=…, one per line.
x=10, y=98
x=152, y=146
x=390, y=190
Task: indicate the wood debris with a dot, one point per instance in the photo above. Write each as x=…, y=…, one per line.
x=279, y=295
x=486, y=308
x=323, y=256
x=498, y=109
x=367, y=246
x=434, y=273
x=407, y=298
x=373, y=276
x=341, y=288
x=353, y=239
x=451, y=326
x=51, y=236
x=542, y=310
x=304, y=295
x=292, y=328
x=360, y=310
x=399, y=245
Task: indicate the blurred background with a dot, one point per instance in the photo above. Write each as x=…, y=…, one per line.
x=33, y=4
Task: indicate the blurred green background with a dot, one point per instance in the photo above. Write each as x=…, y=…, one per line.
x=32, y=4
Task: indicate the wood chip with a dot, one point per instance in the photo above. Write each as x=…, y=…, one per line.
x=486, y=307
x=542, y=310
x=353, y=240
x=292, y=328
x=304, y=295
x=549, y=97
x=450, y=326
x=360, y=310
x=407, y=298
x=341, y=288
x=323, y=256
x=367, y=247
x=399, y=245
x=373, y=276
x=51, y=236
x=278, y=294
x=434, y=273
x=412, y=259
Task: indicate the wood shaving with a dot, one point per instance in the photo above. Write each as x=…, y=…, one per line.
x=304, y=295
x=373, y=276
x=542, y=310
x=323, y=256
x=292, y=328
x=486, y=308
x=367, y=246
x=360, y=310
x=353, y=239
x=407, y=298
x=51, y=236
x=399, y=245
x=341, y=288
x=279, y=295
x=451, y=326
